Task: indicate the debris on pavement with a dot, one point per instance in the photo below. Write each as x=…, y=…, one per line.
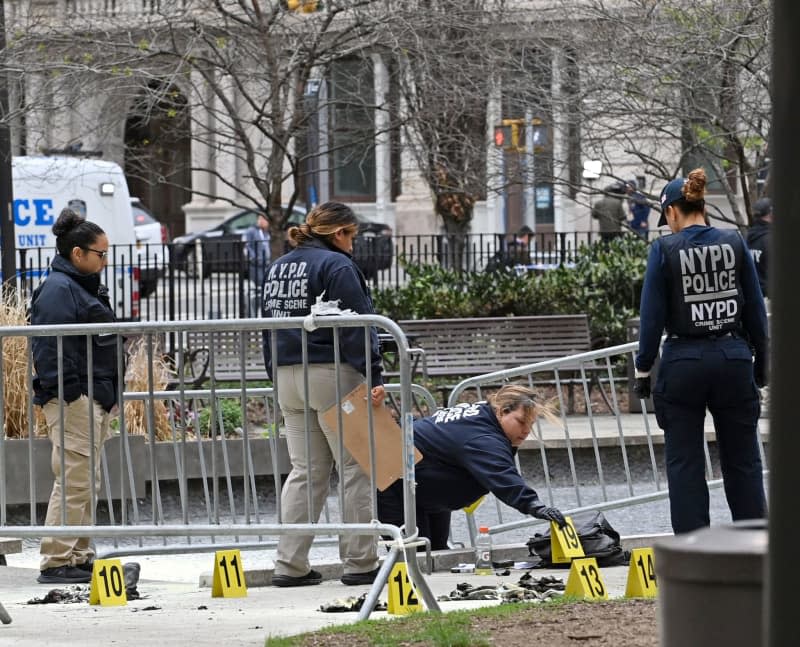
x=342, y=605
x=68, y=595
x=80, y=593
x=528, y=588
x=131, y=570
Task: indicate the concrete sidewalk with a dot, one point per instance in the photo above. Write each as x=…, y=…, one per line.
x=184, y=613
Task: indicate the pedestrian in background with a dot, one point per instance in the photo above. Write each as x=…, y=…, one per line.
x=609, y=213
x=701, y=287
x=468, y=451
x=258, y=255
x=519, y=250
x=320, y=264
x=72, y=294
x=516, y=252
x=639, y=208
x=759, y=240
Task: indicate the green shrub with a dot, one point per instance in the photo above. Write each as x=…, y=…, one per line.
x=231, y=411
x=605, y=283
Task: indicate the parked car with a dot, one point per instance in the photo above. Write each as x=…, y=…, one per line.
x=223, y=245
x=152, y=238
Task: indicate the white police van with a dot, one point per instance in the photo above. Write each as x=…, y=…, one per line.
x=94, y=188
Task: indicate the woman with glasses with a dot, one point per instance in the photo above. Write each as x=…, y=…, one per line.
x=72, y=294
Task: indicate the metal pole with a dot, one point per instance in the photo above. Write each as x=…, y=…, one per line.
x=8, y=263
x=530, y=171
x=783, y=569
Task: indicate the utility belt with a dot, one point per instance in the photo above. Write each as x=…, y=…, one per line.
x=713, y=336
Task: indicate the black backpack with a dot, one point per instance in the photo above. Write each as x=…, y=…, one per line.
x=598, y=538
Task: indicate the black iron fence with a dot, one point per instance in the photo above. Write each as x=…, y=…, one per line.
x=170, y=283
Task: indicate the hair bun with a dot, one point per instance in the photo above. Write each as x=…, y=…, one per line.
x=694, y=189
x=66, y=222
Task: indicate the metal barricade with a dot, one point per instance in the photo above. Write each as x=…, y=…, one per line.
x=603, y=434
x=228, y=470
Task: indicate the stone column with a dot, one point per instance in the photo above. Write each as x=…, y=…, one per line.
x=383, y=157
x=559, y=134
x=203, y=210
x=495, y=198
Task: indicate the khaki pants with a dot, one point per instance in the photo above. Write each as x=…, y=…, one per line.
x=69, y=551
x=358, y=553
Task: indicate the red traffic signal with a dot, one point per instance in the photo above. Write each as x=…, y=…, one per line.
x=502, y=136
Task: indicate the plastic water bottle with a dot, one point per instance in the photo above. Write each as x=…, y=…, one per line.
x=483, y=552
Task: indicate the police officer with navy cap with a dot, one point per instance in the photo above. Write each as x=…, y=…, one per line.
x=701, y=288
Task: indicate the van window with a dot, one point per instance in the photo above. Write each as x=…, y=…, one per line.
x=141, y=217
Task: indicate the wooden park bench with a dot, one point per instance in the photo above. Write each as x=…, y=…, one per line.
x=473, y=346
x=460, y=348
x=227, y=350
x=452, y=348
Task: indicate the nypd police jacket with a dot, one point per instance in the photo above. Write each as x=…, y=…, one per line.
x=466, y=454
x=293, y=283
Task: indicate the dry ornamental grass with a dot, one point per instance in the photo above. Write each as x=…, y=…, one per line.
x=16, y=397
x=136, y=379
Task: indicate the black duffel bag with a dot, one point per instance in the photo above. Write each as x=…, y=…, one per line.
x=598, y=538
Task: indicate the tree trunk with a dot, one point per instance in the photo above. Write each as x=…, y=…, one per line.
x=456, y=212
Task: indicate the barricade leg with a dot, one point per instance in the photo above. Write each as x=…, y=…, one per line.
x=421, y=584
x=415, y=575
x=377, y=586
x=4, y=617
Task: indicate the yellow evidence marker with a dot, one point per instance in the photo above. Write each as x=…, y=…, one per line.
x=228, y=581
x=108, y=584
x=402, y=596
x=565, y=545
x=585, y=580
x=641, y=575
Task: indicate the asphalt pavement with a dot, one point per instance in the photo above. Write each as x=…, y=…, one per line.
x=177, y=608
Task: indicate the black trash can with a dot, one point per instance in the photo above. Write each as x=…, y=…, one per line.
x=634, y=404
x=710, y=586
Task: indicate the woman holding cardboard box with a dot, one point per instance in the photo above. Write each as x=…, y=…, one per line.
x=320, y=264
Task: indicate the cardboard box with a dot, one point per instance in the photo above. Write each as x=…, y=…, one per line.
x=355, y=426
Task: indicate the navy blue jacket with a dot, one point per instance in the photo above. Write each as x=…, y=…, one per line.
x=656, y=298
x=69, y=297
x=466, y=454
x=294, y=282
x=640, y=210
x=758, y=240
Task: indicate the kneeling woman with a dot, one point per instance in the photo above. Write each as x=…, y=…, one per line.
x=468, y=451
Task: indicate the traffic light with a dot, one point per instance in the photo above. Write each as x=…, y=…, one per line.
x=502, y=136
x=539, y=134
x=510, y=136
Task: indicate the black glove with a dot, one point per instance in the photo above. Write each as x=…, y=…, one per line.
x=541, y=511
x=642, y=387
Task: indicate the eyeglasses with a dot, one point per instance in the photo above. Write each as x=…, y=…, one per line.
x=96, y=251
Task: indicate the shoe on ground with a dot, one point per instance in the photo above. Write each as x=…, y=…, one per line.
x=86, y=566
x=309, y=579
x=64, y=575
x=354, y=579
